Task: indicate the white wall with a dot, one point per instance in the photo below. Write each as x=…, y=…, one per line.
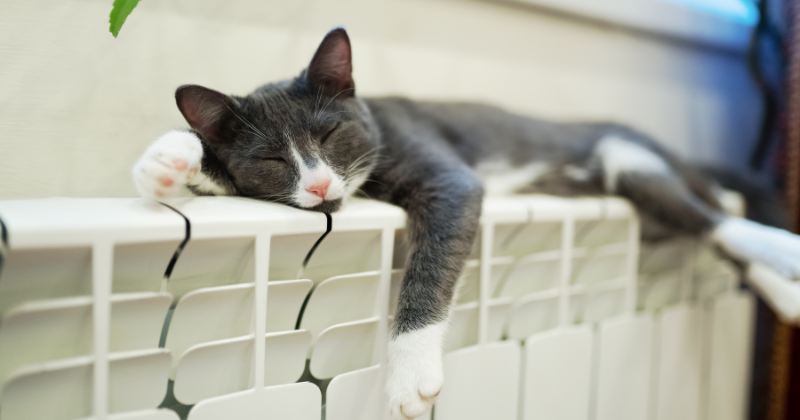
x=77, y=106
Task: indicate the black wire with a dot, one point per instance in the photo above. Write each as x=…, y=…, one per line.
x=769, y=117
x=182, y=245
x=4, y=245
x=305, y=262
x=314, y=248
x=3, y=234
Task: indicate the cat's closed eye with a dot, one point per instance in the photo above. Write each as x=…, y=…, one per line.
x=274, y=159
x=328, y=134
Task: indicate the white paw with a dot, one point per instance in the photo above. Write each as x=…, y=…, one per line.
x=750, y=241
x=415, y=371
x=168, y=164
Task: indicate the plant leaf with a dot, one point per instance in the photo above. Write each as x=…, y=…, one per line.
x=119, y=12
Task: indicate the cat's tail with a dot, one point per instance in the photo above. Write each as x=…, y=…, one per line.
x=763, y=203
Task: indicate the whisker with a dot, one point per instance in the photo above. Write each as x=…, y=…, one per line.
x=359, y=190
x=274, y=197
x=319, y=98
x=256, y=131
x=334, y=97
x=377, y=182
x=339, y=112
x=364, y=163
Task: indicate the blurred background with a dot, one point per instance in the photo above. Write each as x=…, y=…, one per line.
x=78, y=106
x=706, y=77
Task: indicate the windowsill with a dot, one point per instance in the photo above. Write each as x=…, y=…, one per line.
x=660, y=17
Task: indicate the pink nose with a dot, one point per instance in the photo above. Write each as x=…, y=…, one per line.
x=320, y=189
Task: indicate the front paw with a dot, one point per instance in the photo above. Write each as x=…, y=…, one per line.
x=167, y=165
x=415, y=371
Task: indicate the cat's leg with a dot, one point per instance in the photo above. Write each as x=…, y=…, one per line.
x=443, y=215
x=172, y=161
x=751, y=241
x=662, y=193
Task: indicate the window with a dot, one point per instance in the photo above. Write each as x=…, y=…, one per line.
x=721, y=23
x=742, y=11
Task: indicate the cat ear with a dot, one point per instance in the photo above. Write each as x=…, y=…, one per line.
x=331, y=68
x=207, y=111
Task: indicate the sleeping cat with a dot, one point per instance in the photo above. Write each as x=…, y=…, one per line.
x=311, y=143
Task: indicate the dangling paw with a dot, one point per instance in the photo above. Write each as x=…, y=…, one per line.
x=753, y=242
x=167, y=165
x=415, y=371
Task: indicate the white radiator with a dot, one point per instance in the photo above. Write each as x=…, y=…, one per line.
x=550, y=322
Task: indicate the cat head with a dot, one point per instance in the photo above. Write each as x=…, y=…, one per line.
x=308, y=142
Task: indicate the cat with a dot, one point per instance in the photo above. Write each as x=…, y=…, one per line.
x=311, y=143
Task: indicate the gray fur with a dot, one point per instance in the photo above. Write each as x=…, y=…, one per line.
x=420, y=156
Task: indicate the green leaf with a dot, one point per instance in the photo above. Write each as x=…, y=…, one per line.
x=120, y=12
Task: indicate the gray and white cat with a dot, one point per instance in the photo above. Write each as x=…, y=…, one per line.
x=310, y=142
